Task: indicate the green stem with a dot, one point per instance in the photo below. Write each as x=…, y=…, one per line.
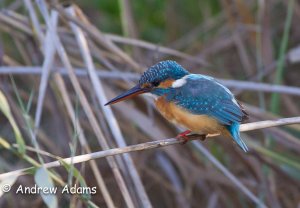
x=281, y=60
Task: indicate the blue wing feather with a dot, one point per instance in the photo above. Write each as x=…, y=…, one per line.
x=204, y=95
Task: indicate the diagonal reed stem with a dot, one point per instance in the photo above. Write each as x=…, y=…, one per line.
x=85, y=104
x=151, y=145
x=115, y=129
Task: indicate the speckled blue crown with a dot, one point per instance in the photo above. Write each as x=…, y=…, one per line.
x=162, y=71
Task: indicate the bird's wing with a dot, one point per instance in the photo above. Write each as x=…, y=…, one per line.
x=204, y=95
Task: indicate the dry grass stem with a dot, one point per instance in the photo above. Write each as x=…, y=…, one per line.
x=151, y=145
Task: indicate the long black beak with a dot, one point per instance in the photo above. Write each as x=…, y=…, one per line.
x=129, y=94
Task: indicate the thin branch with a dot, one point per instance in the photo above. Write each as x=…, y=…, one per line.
x=35, y=22
x=49, y=52
x=82, y=139
x=269, y=123
x=261, y=87
x=228, y=174
x=37, y=70
x=84, y=102
x=150, y=145
x=155, y=47
x=98, y=36
x=241, y=85
x=85, y=52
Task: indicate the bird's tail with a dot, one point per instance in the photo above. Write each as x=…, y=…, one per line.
x=234, y=130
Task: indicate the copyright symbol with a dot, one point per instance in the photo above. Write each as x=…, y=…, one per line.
x=6, y=188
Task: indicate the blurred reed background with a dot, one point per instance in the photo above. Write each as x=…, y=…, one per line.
x=52, y=53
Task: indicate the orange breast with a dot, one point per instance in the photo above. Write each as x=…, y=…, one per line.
x=201, y=124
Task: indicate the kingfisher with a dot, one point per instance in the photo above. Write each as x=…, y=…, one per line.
x=196, y=102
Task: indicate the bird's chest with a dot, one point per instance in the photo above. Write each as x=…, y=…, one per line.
x=197, y=123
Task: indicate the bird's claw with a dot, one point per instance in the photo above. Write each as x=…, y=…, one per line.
x=183, y=136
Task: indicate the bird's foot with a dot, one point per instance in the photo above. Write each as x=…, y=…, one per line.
x=184, y=136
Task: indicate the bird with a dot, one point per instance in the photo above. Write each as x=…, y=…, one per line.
x=196, y=102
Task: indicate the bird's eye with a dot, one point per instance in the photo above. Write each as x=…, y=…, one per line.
x=155, y=83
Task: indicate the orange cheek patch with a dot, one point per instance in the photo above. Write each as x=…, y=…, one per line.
x=146, y=85
x=166, y=84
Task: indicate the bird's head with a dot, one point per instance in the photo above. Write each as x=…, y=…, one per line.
x=157, y=77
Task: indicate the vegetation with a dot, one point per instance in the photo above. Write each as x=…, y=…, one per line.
x=52, y=103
